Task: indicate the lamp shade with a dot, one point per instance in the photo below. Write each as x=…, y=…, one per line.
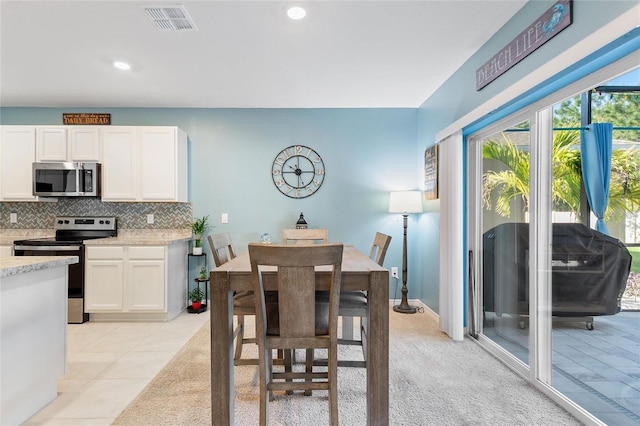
x=405, y=202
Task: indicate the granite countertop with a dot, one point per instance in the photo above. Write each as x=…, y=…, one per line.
x=8, y=236
x=126, y=237
x=130, y=237
x=16, y=265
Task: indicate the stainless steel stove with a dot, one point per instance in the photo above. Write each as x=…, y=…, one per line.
x=71, y=232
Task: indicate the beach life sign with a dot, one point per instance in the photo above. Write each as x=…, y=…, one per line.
x=543, y=29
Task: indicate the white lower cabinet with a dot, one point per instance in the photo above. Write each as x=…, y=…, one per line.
x=135, y=282
x=104, y=279
x=145, y=272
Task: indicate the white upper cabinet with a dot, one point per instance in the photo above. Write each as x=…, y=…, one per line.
x=84, y=144
x=139, y=163
x=163, y=171
x=68, y=143
x=17, y=154
x=145, y=163
x=120, y=164
x=51, y=144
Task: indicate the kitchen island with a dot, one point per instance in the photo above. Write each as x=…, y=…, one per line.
x=33, y=333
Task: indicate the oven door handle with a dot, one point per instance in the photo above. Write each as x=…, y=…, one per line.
x=47, y=248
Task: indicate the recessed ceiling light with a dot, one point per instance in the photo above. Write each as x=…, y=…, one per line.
x=296, y=12
x=121, y=65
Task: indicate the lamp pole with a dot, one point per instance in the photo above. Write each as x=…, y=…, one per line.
x=404, y=307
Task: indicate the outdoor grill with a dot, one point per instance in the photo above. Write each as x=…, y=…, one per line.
x=589, y=271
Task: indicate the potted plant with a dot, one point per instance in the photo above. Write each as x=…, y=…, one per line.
x=196, y=295
x=203, y=273
x=198, y=227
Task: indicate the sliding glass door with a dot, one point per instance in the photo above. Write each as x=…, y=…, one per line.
x=500, y=210
x=548, y=293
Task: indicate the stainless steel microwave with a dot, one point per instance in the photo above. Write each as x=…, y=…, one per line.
x=66, y=179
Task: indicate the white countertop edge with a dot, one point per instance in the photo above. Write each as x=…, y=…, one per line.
x=136, y=241
x=16, y=265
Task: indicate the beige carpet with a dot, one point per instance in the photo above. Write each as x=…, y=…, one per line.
x=433, y=381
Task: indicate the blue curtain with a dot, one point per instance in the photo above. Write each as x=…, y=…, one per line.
x=596, y=146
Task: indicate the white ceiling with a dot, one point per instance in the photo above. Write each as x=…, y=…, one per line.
x=245, y=54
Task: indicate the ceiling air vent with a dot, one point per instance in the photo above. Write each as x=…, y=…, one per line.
x=169, y=17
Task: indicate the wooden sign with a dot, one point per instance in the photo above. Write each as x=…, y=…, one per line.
x=431, y=173
x=86, y=118
x=543, y=29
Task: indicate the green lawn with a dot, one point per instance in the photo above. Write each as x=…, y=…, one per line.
x=635, y=262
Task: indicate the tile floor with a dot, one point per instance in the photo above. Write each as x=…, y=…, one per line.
x=109, y=363
x=598, y=369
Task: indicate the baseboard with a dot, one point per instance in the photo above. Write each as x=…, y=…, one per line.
x=130, y=317
x=421, y=307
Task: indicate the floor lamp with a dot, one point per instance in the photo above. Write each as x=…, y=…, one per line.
x=405, y=202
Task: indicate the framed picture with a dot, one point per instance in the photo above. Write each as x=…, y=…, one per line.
x=431, y=173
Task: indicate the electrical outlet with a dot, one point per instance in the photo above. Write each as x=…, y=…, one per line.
x=394, y=271
x=13, y=217
x=150, y=218
x=224, y=218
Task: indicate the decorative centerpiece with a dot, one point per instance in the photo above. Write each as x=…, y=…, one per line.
x=199, y=226
x=265, y=238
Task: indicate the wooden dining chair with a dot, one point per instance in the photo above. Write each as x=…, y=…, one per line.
x=295, y=321
x=243, y=303
x=354, y=304
x=304, y=236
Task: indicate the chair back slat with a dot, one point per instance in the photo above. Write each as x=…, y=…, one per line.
x=221, y=248
x=379, y=248
x=304, y=236
x=296, y=309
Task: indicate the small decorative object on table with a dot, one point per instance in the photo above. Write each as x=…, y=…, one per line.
x=199, y=226
x=265, y=238
x=301, y=223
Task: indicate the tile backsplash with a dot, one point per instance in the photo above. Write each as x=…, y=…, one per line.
x=41, y=215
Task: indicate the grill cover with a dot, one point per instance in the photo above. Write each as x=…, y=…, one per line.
x=589, y=270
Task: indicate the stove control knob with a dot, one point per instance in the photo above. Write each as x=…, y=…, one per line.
x=60, y=222
x=102, y=222
x=66, y=222
x=108, y=222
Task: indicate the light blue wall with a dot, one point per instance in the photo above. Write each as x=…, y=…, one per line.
x=458, y=96
x=367, y=153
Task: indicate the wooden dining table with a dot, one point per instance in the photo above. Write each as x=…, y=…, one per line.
x=359, y=272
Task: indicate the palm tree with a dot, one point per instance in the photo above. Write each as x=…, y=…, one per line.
x=501, y=187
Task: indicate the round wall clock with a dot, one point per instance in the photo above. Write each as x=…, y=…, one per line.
x=298, y=171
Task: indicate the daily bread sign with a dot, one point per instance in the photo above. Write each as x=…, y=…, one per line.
x=543, y=29
x=86, y=118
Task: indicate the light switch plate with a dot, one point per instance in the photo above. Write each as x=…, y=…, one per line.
x=13, y=217
x=150, y=218
x=224, y=218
